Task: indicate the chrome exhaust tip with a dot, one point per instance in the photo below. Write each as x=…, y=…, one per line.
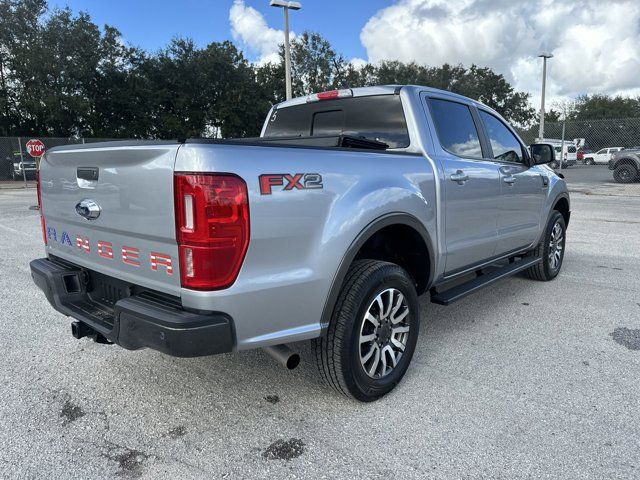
x=284, y=356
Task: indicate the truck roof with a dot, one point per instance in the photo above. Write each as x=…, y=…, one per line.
x=382, y=90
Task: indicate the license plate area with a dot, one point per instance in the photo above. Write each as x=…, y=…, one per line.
x=94, y=295
x=105, y=290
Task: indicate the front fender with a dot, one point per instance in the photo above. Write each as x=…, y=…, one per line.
x=557, y=190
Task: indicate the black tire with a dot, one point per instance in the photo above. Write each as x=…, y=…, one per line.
x=545, y=271
x=589, y=161
x=338, y=354
x=625, y=173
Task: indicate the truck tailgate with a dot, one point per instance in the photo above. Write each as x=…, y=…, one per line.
x=130, y=186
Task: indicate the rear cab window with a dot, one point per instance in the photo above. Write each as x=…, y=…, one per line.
x=375, y=117
x=455, y=128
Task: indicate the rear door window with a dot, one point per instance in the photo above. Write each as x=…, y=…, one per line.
x=376, y=117
x=455, y=128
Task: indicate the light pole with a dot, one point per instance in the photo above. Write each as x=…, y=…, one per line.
x=286, y=6
x=544, y=84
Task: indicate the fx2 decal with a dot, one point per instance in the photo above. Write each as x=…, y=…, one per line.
x=298, y=181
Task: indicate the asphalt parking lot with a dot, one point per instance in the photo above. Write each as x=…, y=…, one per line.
x=597, y=180
x=588, y=174
x=522, y=380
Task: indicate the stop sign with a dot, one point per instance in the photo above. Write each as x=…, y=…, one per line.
x=35, y=148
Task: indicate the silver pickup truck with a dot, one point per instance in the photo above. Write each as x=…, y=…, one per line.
x=327, y=227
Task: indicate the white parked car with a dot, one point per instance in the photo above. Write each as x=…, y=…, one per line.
x=602, y=156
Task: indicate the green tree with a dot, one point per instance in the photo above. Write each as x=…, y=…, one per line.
x=194, y=92
x=173, y=83
x=52, y=71
x=19, y=27
x=270, y=79
x=60, y=74
x=238, y=103
x=51, y=64
x=119, y=93
x=479, y=83
x=315, y=67
x=600, y=106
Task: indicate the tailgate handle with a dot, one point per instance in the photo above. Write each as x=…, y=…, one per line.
x=88, y=173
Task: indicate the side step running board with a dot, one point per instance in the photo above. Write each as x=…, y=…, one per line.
x=456, y=293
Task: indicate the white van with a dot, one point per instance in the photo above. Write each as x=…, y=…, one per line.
x=569, y=155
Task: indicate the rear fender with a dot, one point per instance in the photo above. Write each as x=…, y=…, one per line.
x=360, y=239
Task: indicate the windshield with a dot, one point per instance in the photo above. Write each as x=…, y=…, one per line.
x=377, y=117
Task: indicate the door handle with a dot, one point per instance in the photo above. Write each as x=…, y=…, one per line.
x=460, y=177
x=510, y=179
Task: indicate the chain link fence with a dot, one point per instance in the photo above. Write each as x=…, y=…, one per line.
x=599, y=157
x=17, y=167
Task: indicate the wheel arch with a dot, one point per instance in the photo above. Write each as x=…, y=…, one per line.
x=629, y=160
x=401, y=221
x=562, y=205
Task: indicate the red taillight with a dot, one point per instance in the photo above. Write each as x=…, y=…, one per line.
x=42, y=222
x=212, y=228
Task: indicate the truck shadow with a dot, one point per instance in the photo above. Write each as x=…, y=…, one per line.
x=256, y=374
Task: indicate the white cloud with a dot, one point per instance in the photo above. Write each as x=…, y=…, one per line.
x=596, y=44
x=249, y=27
x=357, y=63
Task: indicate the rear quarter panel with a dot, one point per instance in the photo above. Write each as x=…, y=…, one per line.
x=299, y=237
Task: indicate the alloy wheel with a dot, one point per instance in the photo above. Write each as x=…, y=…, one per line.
x=624, y=174
x=384, y=333
x=556, y=246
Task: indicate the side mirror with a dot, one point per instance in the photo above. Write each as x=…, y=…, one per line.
x=541, y=153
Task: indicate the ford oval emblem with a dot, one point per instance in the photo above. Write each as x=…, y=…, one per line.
x=88, y=209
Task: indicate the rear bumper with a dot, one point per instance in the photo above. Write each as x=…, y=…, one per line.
x=139, y=319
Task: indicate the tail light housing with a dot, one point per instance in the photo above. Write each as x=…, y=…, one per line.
x=212, y=228
x=330, y=95
x=39, y=193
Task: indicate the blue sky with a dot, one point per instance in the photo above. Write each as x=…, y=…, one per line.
x=596, y=50
x=151, y=24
